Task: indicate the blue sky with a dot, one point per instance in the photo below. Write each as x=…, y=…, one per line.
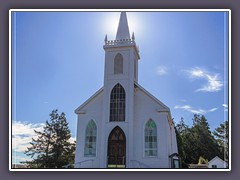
x=58, y=62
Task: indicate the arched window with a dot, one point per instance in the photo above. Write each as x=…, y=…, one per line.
x=117, y=103
x=118, y=64
x=150, y=139
x=90, y=139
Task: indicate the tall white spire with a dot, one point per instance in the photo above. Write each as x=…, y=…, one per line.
x=123, y=31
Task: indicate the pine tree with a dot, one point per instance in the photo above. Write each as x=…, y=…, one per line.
x=181, y=129
x=52, y=148
x=205, y=144
x=222, y=134
x=196, y=141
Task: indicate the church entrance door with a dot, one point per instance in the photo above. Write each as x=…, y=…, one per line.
x=116, y=149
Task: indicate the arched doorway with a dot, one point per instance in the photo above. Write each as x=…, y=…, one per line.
x=116, y=149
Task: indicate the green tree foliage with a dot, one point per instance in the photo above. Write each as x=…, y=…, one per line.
x=206, y=145
x=196, y=141
x=221, y=134
x=181, y=129
x=52, y=148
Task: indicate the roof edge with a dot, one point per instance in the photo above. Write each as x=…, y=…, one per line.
x=167, y=109
x=216, y=158
x=87, y=101
x=150, y=95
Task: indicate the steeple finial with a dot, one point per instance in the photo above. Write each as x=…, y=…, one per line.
x=123, y=31
x=106, y=39
x=133, y=37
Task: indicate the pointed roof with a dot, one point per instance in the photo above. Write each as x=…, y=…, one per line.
x=123, y=31
x=215, y=159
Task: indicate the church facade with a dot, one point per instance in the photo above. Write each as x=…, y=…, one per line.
x=122, y=125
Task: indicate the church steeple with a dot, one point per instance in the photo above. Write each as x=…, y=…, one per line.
x=123, y=31
x=121, y=55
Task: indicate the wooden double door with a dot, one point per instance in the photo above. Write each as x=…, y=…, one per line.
x=117, y=149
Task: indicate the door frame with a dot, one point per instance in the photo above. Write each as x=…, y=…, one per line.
x=120, y=139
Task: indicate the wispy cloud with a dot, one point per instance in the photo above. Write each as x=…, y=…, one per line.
x=194, y=110
x=212, y=110
x=22, y=134
x=17, y=158
x=183, y=100
x=225, y=106
x=72, y=139
x=161, y=70
x=213, y=83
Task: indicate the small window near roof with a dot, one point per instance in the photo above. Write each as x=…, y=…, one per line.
x=214, y=166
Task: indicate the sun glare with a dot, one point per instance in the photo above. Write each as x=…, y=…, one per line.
x=111, y=21
x=134, y=23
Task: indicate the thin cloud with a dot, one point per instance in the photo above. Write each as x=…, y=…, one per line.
x=22, y=134
x=213, y=82
x=194, y=110
x=225, y=106
x=72, y=139
x=212, y=110
x=19, y=157
x=161, y=70
x=183, y=100
x=196, y=73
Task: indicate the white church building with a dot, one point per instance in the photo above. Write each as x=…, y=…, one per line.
x=122, y=125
